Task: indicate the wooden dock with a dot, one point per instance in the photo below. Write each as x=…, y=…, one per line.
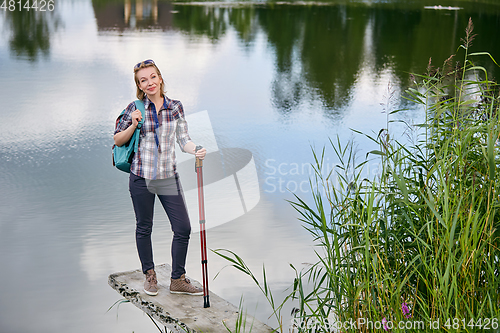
x=180, y=313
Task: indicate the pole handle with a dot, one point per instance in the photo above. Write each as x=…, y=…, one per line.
x=199, y=163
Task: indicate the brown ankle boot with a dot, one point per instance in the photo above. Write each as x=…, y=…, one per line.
x=184, y=286
x=151, y=284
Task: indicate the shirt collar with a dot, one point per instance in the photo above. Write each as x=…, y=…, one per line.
x=166, y=102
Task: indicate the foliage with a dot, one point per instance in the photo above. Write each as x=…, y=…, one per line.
x=419, y=243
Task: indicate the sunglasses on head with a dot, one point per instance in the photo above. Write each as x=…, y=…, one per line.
x=145, y=62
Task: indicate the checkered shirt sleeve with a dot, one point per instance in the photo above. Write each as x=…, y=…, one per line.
x=181, y=132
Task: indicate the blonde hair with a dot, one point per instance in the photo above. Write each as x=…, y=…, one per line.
x=143, y=64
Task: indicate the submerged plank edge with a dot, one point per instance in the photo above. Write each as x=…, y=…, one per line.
x=180, y=313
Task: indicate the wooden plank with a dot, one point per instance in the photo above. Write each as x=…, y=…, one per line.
x=180, y=313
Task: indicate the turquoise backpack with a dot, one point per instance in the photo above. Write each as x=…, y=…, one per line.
x=123, y=155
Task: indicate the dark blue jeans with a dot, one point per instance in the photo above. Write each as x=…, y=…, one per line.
x=169, y=191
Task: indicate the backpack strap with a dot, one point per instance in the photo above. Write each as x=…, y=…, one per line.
x=140, y=106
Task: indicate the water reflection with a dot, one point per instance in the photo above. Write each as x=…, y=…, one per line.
x=320, y=51
x=31, y=32
x=200, y=21
x=332, y=50
x=140, y=14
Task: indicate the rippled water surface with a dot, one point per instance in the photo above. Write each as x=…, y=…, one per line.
x=275, y=80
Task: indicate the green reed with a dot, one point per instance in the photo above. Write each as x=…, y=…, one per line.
x=419, y=244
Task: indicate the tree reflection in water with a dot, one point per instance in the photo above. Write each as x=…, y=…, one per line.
x=320, y=51
x=31, y=32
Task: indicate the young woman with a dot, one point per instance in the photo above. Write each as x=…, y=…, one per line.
x=153, y=173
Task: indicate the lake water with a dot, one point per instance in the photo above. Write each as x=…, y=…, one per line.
x=275, y=81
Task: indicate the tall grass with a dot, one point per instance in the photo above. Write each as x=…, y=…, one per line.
x=417, y=246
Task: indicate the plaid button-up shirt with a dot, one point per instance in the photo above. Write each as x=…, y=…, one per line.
x=152, y=161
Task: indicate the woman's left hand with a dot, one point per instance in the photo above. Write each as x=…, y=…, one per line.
x=201, y=153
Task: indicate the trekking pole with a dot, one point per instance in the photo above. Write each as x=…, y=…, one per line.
x=203, y=237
